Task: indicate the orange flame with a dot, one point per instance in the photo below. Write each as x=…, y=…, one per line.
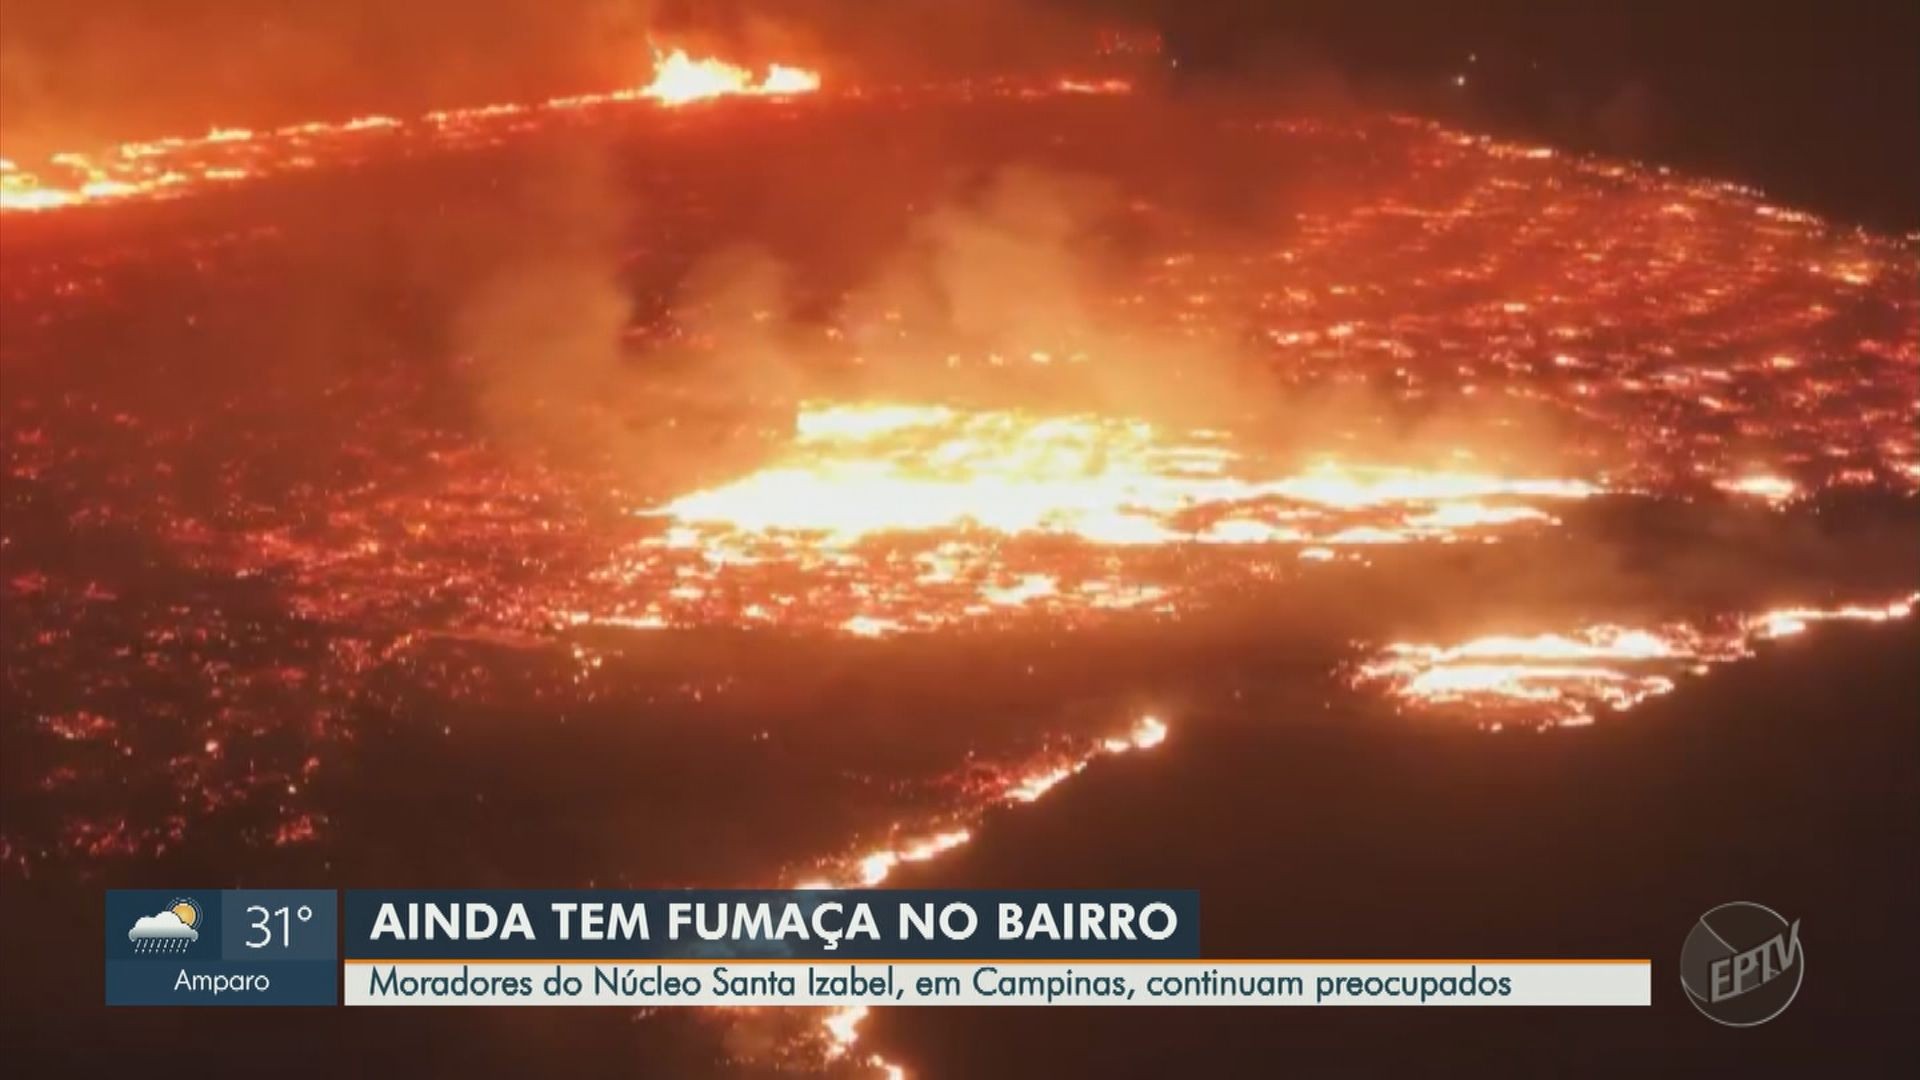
x=175, y=164
x=679, y=79
x=933, y=516
x=1565, y=678
x=839, y=1030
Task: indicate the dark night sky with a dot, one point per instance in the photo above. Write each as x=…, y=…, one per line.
x=1819, y=102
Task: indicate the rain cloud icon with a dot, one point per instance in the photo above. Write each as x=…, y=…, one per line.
x=170, y=930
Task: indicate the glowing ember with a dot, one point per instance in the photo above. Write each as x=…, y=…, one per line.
x=1564, y=679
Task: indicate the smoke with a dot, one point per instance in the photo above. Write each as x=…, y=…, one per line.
x=539, y=328
x=997, y=292
x=968, y=265
x=1010, y=278
x=997, y=273
x=988, y=275
x=1001, y=274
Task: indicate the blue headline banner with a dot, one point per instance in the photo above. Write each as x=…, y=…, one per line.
x=824, y=924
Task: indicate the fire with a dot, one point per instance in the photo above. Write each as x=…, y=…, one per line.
x=842, y=1030
x=839, y=1032
x=843, y=1026
x=1565, y=678
x=1772, y=489
x=782, y=80
x=176, y=165
x=1787, y=622
x=856, y=471
x=1016, y=784
x=679, y=79
x=1095, y=86
x=907, y=516
x=1690, y=342
x=1687, y=341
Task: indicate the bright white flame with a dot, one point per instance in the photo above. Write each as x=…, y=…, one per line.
x=679, y=79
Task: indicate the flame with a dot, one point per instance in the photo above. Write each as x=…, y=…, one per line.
x=905, y=517
x=679, y=79
x=1022, y=783
x=877, y=520
x=1565, y=678
x=1095, y=86
x=859, y=471
x=842, y=1031
x=174, y=165
x=782, y=80
x=1764, y=486
x=1588, y=291
x=839, y=1029
x=1786, y=622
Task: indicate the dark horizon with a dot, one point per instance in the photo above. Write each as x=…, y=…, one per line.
x=1816, y=103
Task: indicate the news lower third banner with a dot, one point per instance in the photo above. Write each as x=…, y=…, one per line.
x=817, y=948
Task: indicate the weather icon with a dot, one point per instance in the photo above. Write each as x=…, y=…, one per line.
x=170, y=930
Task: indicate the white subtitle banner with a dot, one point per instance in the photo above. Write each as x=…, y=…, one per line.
x=826, y=984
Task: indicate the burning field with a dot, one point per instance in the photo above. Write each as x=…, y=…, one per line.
x=745, y=479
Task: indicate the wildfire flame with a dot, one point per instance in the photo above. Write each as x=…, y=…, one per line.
x=1565, y=678
x=857, y=471
x=1018, y=784
x=883, y=518
x=679, y=79
x=873, y=520
x=174, y=165
x=839, y=1030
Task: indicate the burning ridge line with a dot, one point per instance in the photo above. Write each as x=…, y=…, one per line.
x=1565, y=679
x=838, y=1031
x=176, y=165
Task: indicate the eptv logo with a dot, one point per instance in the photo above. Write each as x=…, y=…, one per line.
x=1742, y=964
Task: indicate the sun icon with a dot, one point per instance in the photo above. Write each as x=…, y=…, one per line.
x=186, y=911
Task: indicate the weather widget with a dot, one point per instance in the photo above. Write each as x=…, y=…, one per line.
x=222, y=947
